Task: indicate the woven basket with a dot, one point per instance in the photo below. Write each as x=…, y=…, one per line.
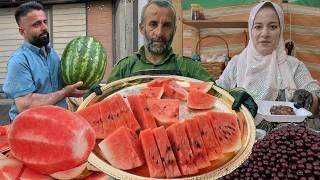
x=214, y=68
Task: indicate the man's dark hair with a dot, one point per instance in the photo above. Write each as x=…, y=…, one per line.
x=25, y=8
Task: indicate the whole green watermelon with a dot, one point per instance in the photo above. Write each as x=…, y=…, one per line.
x=84, y=59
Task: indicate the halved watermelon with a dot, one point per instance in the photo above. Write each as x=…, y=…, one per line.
x=189, y=85
x=121, y=149
x=115, y=113
x=10, y=169
x=165, y=111
x=151, y=153
x=152, y=92
x=227, y=131
x=49, y=139
x=141, y=111
x=168, y=160
x=93, y=116
x=197, y=144
x=181, y=149
x=200, y=100
x=209, y=139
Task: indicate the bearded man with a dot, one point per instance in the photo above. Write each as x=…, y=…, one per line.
x=33, y=77
x=158, y=26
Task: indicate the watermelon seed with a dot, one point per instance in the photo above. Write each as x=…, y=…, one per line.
x=168, y=148
x=157, y=162
x=202, y=132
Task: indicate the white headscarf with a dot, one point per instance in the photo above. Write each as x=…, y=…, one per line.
x=263, y=76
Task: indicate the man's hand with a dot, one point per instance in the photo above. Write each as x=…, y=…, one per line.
x=73, y=91
x=303, y=98
x=242, y=97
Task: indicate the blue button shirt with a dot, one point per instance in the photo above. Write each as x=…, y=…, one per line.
x=29, y=71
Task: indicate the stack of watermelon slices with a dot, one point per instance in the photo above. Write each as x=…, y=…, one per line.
x=166, y=146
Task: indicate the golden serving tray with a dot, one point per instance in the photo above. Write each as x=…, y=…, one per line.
x=218, y=168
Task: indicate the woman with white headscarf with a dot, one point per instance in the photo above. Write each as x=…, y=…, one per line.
x=263, y=68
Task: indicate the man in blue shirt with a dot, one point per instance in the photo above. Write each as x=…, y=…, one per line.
x=33, y=77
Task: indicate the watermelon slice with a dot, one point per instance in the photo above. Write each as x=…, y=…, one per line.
x=70, y=173
x=121, y=149
x=93, y=116
x=200, y=100
x=209, y=139
x=97, y=176
x=151, y=153
x=189, y=85
x=168, y=160
x=165, y=111
x=227, y=131
x=115, y=114
x=49, y=139
x=181, y=149
x=174, y=92
x=29, y=174
x=160, y=82
x=152, y=92
x=197, y=144
x=10, y=169
x=139, y=106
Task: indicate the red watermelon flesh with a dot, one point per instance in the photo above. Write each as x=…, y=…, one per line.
x=168, y=160
x=29, y=174
x=174, y=92
x=151, y=153
x=152, y=92
x=209, y=139
x=10, y=169
x=181, y=149
x=165, y=111
x=127, y=115
x=93, y=116
x=70, y=173
x=141, y=111
x=226, y=128
x=189, y=85
x=49, y=139
x=121, y=150
x=200, y=100
x=159, y=82
x=115, y=114
x=197, y=144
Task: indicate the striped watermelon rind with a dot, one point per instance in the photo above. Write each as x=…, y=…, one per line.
x=83, y=59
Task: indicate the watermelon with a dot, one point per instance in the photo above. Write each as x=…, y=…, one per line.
x=208, y=136
x=168, y=160
x=29, y=174
x=49, y=139
x=84, y=59
x=93, y=116
x=122, y=149
x=152, y=92
x=10, y=169
x=174, y=92
x=197, y=144
x=141, y=111
x=115, y=114
x=165, y=111
x=189, y=85
x=97, y=176
x=181, y=149
x=151, y=153
x=227, y=131
x=70, y=173
x=200, y=100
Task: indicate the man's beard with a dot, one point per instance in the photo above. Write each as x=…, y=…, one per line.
x=39, y=41
x=156, y=49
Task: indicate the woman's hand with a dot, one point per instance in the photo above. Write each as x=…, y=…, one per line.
x=242, y=97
